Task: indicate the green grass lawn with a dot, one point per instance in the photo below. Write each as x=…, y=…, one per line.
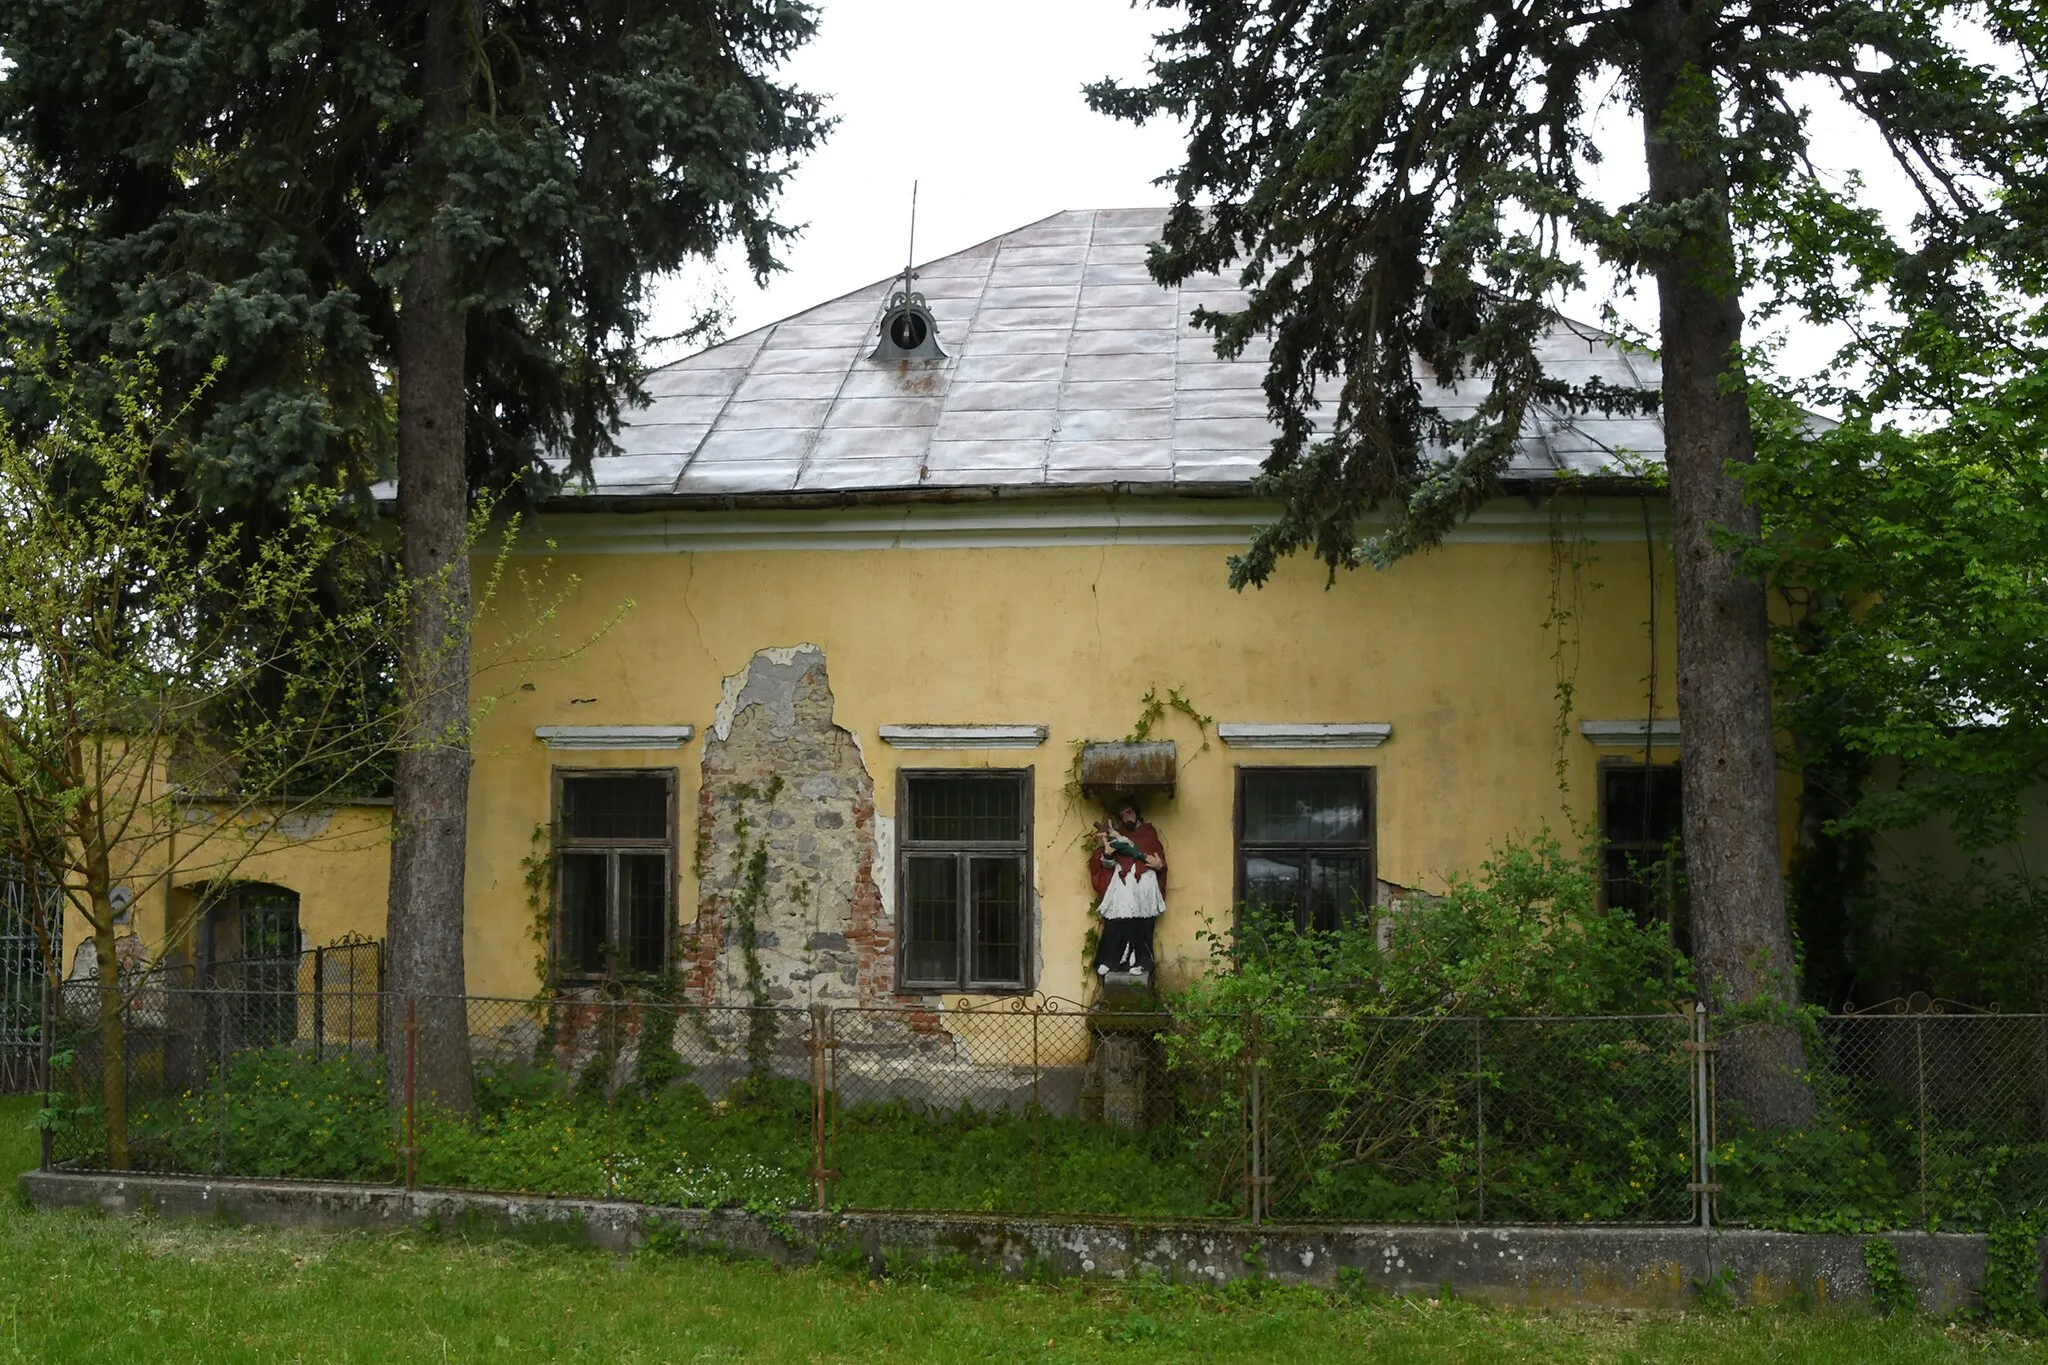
x=78, y=1287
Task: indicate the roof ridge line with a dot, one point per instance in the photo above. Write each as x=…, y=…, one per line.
x=862, y=289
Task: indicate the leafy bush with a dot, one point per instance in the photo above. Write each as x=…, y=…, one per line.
x=1389, y=1095
x=534, y=1133
x=1979, y=935
x=892, y=1156
x=277, y=1113
x=1525, y=937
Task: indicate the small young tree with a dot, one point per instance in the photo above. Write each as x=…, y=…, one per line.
x=138, y=637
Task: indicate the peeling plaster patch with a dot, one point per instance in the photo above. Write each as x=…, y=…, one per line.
x=769, y=679
x=300, y=826
x=784, y=783
x=885, y=863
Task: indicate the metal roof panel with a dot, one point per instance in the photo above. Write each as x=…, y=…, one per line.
x=1065, y=365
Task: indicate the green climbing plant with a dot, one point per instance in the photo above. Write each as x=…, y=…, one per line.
x=1153, y=708
x=537, y=873
x=2012, y=1277
x=1570, y=559
x=1890, y=1291
x=750, y=870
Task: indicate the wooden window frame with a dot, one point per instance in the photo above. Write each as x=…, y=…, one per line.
x=1607, y=767
x=560, y=843
x=232, y=901
x=1368, y=850
x=963, y=982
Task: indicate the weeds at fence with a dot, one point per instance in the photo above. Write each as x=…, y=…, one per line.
x=1935, y=1123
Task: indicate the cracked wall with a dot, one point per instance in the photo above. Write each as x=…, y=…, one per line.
x=786, y=841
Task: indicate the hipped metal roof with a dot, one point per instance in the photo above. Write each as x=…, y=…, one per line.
x=1069, y=369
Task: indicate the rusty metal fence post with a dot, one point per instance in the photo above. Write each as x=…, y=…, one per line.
x=1255, y=1180
x=1920, y=1087
x=46, y=1148
x=831, y=1104
x=1479, y=1115
x=820, y=1025
x=1704, y=1187
x=410, y=1150
x=1037, y=1132
x=319, y=1003
x=219, y=1005
x=614, y=1045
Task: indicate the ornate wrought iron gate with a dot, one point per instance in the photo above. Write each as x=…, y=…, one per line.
x=22, y=975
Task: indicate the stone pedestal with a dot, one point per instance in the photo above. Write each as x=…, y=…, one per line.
x=1125, y=1084
x=1123, y=1068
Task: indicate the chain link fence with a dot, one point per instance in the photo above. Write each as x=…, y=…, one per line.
x=167, y=1078
x=1927, y=1120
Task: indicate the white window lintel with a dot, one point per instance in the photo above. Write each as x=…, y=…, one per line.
x=614, y=736
x=1631, y=734
x=964, y=736
x=1306, y=735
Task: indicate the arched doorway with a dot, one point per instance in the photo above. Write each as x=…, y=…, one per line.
x=248, y=945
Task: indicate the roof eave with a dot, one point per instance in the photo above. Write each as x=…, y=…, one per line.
x=1534, y=488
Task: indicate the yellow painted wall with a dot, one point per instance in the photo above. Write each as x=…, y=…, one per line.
x=338, y=860
x=1450, y=648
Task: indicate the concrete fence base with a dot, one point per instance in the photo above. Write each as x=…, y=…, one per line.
x=1547, y=1267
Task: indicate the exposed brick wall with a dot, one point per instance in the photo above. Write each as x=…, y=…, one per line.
x=697, y=952
x=781, y=777
x=870, y=931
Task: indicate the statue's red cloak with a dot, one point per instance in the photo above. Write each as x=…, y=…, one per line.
x=1147, y=840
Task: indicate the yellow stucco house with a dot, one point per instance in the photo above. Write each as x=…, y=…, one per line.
x=843, y=616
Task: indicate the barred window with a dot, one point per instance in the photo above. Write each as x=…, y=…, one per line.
x=253, y=922
x=248, y=947
x=1640, y=819
x=966, y=881
x=1305, y=843
x=614, y=873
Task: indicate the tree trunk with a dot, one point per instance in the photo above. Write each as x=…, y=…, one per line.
x=1742, y=944
x=113, y=1045
x=431, y=807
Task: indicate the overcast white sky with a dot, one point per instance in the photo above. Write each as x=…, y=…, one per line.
x=977, y=100
x=980, y=102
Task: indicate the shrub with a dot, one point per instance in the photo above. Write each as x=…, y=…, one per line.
x=276, y=1112
x=1525, y=937
x=1388, y=1096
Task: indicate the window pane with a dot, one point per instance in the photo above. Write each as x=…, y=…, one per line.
x=270, y=921
x=583, y=911
x=643, y=909
x=1640, y=806
x=253, y=946
x=1304, y=807
x=966, y=809
x=634, y=807
x=931, y=899
x=1336, y=892
x=1644, y=883
x=1272, y=882
x=270, y=931
x=995, y=891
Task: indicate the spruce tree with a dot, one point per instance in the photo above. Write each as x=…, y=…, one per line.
x=1407, y=180
x=413, y=228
